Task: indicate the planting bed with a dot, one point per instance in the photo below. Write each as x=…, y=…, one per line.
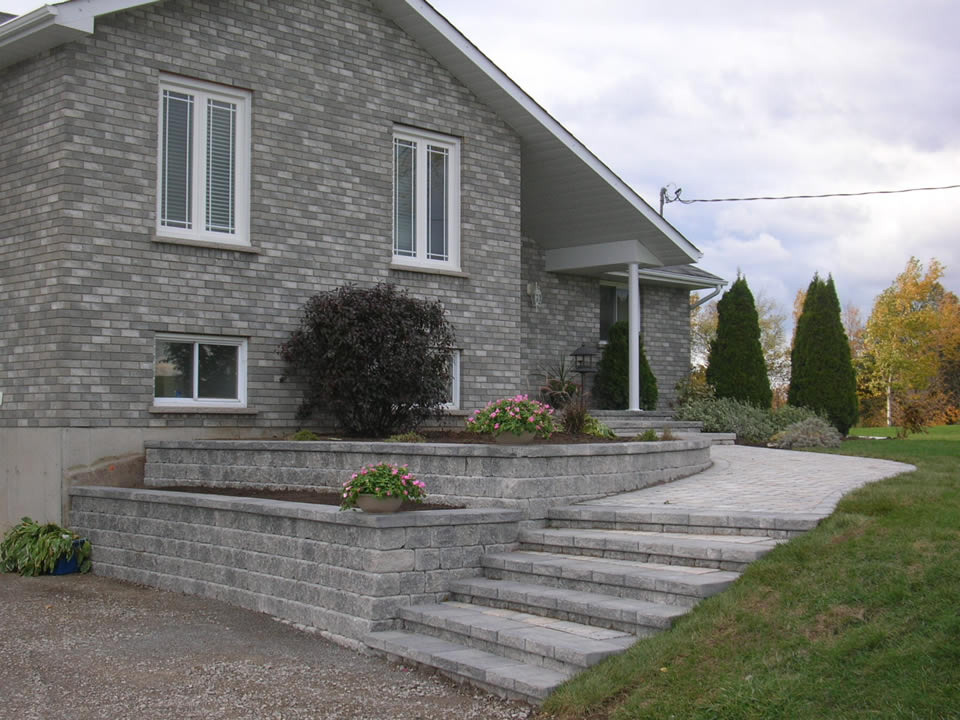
x=531, y=478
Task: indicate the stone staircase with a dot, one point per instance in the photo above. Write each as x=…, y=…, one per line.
x=583, y=589
x=628, y=423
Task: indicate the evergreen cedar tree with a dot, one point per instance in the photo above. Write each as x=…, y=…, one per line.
x=735, y=365
x=376, y=358
x=822, y=375
x=611, y=387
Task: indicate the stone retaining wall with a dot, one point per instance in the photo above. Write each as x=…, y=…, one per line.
x=344, y=572
x=530, y=478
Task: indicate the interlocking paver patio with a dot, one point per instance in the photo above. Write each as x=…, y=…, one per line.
x=753, y=479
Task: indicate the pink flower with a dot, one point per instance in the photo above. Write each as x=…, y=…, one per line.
x=354, y=476
x=496, y=426
x=395, y=471
x=345, y=494
x=408, y=477
x=389, y=493
x=531, y=419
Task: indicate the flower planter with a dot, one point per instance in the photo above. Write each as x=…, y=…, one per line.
x=374, y=504
x=66, y=567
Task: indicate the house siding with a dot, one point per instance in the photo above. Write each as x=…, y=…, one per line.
x=329, y=81
x=569, y=315
x=665, y=325
x=33, y=235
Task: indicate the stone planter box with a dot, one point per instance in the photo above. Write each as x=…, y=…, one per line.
x=530, y=479
x=342, y=572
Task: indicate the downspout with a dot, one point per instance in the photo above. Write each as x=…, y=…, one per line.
x=708, y=298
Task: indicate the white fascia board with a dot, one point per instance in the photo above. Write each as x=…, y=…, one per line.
x=487, y=67
x=590, y=258
x=656, y=277
x=681, y=279
x=52, y=25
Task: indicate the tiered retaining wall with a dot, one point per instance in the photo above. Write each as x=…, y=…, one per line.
x=343, y=572
x=530, y=478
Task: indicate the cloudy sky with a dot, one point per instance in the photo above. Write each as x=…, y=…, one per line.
x=748, y=97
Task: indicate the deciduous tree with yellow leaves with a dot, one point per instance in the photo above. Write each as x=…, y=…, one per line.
x=912, y=334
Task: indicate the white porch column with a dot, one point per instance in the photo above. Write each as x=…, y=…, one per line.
x=634, y=310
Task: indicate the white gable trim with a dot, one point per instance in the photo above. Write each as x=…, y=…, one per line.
x=52, y=25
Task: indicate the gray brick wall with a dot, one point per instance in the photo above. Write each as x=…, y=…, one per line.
x=33, y=164
x=568, y=317
x=665, y=325
x=329, y=81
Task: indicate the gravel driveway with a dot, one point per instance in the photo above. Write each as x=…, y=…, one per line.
x=81, y=647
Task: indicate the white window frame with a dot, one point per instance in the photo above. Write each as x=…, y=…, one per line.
x=202, y=92
x=454, y=403
x=423, y=138
x=241, y=343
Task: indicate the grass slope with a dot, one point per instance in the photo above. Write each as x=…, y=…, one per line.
x=859, y=618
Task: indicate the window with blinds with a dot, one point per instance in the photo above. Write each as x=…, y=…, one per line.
x=203, y=162
x=426, y=200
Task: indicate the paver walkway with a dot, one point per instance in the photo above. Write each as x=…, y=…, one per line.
x=750, y=479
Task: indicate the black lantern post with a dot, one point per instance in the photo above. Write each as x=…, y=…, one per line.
x=583, y=363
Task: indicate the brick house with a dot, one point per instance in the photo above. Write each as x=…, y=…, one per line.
x=179, y=176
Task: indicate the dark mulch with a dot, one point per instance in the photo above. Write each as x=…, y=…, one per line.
x=314, y=497
x=469, y=438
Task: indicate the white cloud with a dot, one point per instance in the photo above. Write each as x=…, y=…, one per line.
x=745, y=98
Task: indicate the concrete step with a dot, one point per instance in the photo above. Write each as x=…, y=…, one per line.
x=631, y=414
x=703, y=551
x=497, y=674
x=716, y=438
x=625, y=427
x=670, y=519
x=638, y=617
x=668, y=584
x=558, y=645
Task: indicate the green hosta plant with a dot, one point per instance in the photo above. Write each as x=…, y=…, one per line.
x=383, y=481
x=515, y=415
x=34, y=549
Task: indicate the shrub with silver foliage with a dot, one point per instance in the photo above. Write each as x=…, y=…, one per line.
x=812, y=432
x=751, y=424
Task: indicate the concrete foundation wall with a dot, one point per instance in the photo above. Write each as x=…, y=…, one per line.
x=38, y=466
x=343, y=572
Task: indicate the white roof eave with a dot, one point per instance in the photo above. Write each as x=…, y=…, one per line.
x=51, y=25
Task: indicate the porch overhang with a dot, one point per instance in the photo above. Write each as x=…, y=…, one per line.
x=599, y=258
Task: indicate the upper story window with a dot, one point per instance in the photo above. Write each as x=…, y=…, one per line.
x=200, y=370
x=426, y=200
x=203, y=162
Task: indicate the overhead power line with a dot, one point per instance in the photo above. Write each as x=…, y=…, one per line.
x=665, y=195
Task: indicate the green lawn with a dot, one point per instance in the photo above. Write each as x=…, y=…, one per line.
x=859, y=618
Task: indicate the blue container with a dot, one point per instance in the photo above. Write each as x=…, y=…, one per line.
x=64, y=566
